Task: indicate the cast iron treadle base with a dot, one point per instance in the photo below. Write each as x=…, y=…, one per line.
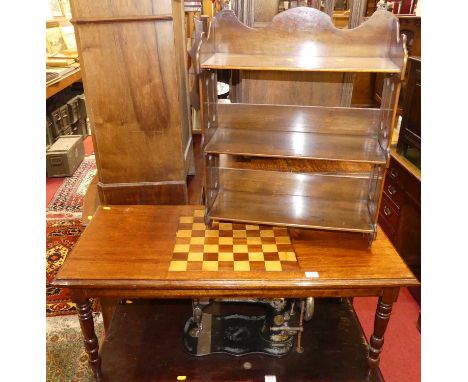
x=234, y=334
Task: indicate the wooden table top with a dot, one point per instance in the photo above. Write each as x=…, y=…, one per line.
x=130, y=247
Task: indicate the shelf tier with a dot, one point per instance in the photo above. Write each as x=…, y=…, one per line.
x=291, y=210
x=300, y=63
x=340, y=134
x=292, y=199
x=287, y=144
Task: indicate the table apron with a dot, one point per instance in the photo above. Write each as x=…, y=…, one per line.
x=266, y=293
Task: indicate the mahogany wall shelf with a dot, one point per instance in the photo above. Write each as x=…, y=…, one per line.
x=286, y=82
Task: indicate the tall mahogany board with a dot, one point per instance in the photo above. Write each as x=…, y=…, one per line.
x=132, y=56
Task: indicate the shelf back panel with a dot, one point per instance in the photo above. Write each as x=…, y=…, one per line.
x=293, y=165
x=318, y=186
x=333, y=120
x=289, y=88
x=305, y=39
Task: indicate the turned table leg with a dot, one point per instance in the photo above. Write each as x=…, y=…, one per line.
x=382, y=316
x=85, y=315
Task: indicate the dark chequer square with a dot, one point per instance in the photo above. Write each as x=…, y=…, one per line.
x=231, y=247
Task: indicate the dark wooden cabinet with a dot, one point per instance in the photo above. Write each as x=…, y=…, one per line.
x=410, y=26
x=400, y=214
x=410, y=130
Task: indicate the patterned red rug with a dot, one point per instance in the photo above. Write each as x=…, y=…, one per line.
x=61, y=237
x=67, y=202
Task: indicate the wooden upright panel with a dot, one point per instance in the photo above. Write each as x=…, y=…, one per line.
x=133, y=60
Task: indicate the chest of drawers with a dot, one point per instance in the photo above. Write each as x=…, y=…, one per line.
x=400, y=215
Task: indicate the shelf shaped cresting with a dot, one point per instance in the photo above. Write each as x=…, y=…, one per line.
x=283, y=151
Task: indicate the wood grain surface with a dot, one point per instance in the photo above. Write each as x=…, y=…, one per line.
x=338, y=120
x=292, y=211
x=135, y=83
x=290, y=144
x=347, y=134
x=298, y=63
x=126, y=250
x=305, y=39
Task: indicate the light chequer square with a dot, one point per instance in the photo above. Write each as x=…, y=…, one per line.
x=226, y=241
x=241, y=266
x=210, y=266
x=240, y=248
x=256, y=256
x=199, y=213
x=273, y=266
x=178, y=248
x=178, y=266
x=231, y=247
x=197, y=256
x=225, y=256
x=254, y=240
x=186, y=219
x=225, y=226
x=197, y=240
x=287, y=256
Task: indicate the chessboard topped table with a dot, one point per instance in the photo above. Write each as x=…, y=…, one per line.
x=131, y=247
x=126, y=252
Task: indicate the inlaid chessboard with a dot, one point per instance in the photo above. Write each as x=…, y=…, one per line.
x=231, y=247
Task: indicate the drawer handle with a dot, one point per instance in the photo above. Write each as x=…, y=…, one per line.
x=393, y=173
x=391, y=190
x=387, y=211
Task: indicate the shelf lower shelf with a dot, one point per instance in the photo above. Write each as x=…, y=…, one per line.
x=292, y=211
x=293, y=144
x=332, y=202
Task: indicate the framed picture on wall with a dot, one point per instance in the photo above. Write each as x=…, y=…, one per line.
x=66, y=8
x=68, y=34
x=55, y=8
x=55, y=41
